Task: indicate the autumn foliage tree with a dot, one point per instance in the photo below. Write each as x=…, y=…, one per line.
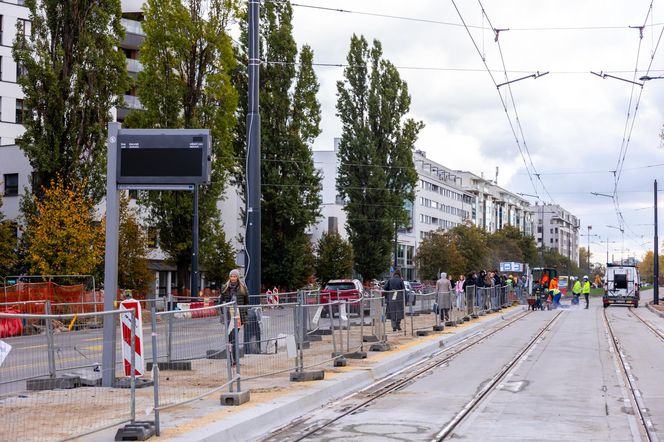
x=8, y=246
x=133, y=272
x=64, y=238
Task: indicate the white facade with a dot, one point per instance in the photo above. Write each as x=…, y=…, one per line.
x=11, y=95
x=494, y=207
x=558, y=229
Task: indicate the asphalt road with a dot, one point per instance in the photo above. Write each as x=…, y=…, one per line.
x=568, y=387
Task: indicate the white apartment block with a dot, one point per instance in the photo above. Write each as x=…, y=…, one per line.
x=494, y=207
x=558, y=230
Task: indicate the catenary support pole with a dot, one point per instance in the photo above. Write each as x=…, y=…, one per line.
x=655, y=289
x=253, y=165
x=111, y=257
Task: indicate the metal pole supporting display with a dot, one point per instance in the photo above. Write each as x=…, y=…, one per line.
x=111, y=261
x=253, y=165
x=194, y=250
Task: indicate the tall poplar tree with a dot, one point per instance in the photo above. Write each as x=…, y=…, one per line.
x=187, y=58
x=290, y=119
x=376, y=173
x=72, y=74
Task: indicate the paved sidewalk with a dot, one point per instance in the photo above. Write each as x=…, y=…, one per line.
x=276, y=406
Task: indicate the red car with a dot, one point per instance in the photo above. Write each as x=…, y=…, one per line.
x=342, y=290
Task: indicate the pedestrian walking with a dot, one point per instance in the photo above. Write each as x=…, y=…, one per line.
x=395, y=289
x=586, y=289
x=235, y=291
x=444, y=294
x=459, y=290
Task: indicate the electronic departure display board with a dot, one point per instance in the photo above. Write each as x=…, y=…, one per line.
x=163, y=156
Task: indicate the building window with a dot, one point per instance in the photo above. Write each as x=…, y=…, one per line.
x=11, y=184
x=20, y=111
x=23, y=26
x=20, y=71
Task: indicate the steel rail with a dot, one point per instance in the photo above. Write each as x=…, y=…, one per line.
x=645, y=420
x=652, y=328
x=491, y=385
x=425, y=366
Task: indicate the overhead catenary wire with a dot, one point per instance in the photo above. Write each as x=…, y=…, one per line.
x=502, y=100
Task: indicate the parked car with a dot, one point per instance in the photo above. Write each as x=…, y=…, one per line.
x=343, y=290
x=416, y=286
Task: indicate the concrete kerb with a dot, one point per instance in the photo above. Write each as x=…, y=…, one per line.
x=654, y=310
x=255, y=421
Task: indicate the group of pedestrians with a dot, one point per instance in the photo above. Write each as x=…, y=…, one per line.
x=579, y=289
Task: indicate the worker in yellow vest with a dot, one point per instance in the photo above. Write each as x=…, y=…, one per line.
x=586, y=289
x=576, y=291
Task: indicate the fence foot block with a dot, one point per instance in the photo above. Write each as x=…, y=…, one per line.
x=440, y=327
x=422, y=333
x=450, y=323
x=174, y=366
x=356, y=355
x=413, y=314
x=343, y=327
x=370, y=338
x=126, y=383
x=340, y=362
x=304, y=345
x=64, y=383
x=314, y=338
x=306, y=376
x=234, y=399
x=139, y=430
x=321, y=332
x=380, y=346
x=220, y=354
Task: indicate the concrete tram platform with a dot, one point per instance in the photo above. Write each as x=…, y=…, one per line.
x=273, y=408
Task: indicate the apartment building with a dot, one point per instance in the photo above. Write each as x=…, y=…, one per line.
x=557, y=229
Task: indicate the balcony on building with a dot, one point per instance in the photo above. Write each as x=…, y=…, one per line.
x=134, y=34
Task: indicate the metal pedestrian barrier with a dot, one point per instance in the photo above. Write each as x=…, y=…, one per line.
x=50, y=371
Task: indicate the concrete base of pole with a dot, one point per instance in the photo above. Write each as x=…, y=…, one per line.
x=370, y=338
x=423, y=333
x=340, y=362
x=63, y=383
x=380, y=346
x=438, y=328
x=139, y=430
x=234, y=399
x=356, y=355
x=126, y=383
x=220, y=354
x=306, y=376
x=173, y=366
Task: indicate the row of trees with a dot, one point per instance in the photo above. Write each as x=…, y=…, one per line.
x=194, y=77
x=466, y=248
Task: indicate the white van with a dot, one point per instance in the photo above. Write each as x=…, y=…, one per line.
x=622, y=285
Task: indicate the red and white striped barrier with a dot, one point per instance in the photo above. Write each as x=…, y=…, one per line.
x=273, y=297
x=125, y=322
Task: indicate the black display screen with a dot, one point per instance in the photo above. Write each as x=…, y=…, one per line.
x=161, y=161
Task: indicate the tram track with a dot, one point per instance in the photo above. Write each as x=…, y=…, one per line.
x=393, y=382
x=448, y=430
x=651, y=327
x=626, y=371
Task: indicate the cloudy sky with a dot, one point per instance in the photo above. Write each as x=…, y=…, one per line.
x=574, y=126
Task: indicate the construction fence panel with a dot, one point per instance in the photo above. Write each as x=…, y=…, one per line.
x=267, y=339
x=421, y=311
x=50, y=371
x=191, y=351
